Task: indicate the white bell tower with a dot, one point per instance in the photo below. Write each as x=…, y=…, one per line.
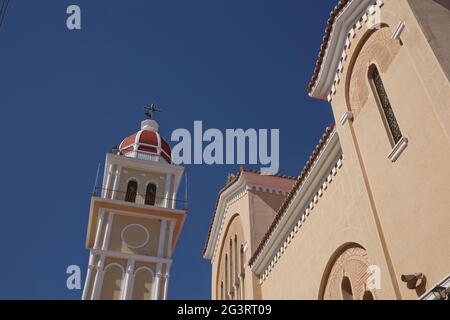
x=135, y=220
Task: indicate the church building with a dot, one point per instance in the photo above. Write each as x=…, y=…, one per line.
x=368, y=216
x=135, y=220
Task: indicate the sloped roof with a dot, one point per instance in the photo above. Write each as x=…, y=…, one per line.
x=232, y=179
x=326, y=38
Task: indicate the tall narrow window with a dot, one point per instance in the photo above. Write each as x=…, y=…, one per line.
x=346, y=286
x=231, y=271
x=242, y=272
x=130, y=196
x=389, y=118
x=231, y=268
x=226, y=277
x=150, y=194
x=236, y=264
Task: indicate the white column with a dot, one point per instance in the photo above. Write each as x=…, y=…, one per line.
x=169, y=244
x=107, y=235
x=127, y=287
x=174, y=195
x=100, y=219
x=91, y=267
x=166, y=282
x=167, y=191
x=156, y=281
x=106, y=187
x=162, y=238
x=98, y=282
x=88, y=280
x=116, y=183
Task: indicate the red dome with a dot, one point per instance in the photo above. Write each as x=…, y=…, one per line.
x=146, y=144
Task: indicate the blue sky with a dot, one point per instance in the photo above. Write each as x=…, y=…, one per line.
x=66, y=97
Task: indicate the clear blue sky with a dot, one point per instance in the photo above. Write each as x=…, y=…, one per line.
x=66, y=97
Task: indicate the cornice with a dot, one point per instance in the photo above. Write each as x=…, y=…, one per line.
x=301, y=205
x=343, y=22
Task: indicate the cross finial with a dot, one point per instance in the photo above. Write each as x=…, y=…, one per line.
x=150, y=109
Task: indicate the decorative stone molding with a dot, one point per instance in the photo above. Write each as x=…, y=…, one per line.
x=379, y=48
x=133, y=229
x=301, y=221
x=313, y=174
x=353, y=264
x=239, y=195
x=266, y=189
x=371, y=11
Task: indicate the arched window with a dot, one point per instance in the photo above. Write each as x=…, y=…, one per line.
x=368, y=296
x=389, y=119
x=242, y=272
x=142, y=284
x=226, y=277
x=346, y=287
x=221, y=291
x=231, y=269
x=131, y=191
x=150, y=194
x=236, y=266
x=112, y=282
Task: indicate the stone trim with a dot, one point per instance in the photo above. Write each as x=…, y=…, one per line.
x=309, y=209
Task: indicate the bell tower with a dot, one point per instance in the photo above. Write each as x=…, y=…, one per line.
x=134, y=219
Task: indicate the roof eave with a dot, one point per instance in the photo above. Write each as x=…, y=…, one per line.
x=345, y=19
x=322, y=153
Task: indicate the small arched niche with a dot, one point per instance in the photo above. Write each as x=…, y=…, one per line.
x=143, y=283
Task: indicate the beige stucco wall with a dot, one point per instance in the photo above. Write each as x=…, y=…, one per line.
x=341, y=216
x=152, y=226
x=410, y=195
x=263, y=208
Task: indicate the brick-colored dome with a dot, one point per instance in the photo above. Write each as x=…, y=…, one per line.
x=146, y=143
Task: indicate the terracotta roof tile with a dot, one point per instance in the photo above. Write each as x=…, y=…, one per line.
x=323, y=48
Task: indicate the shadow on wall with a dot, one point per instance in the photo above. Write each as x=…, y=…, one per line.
x=417, y=282
x=444, y=3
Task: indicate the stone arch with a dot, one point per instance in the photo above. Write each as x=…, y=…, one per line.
x=143, y=284
x=346, y=274
x=112, y=282
x=375, y=47
x=233, y=231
